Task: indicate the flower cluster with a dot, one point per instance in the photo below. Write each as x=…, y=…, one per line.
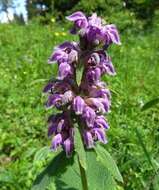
x=86, y=101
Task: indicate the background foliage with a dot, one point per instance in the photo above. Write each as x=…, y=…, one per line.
x=133, y=138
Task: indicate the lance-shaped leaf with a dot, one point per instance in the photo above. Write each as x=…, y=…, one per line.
x=79, y=73
x=150, y=104
x=108, y=162
x=79, y=146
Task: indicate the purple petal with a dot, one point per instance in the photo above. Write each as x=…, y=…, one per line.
x=78, y=105
x=52, y=129
x=89, y=116
x=48, y=87
x=53, y=99
x=64, y=70
x=94, y=20
x=60, y=126
x=99, y=135
x=101, y=122
x=76, y=16
x=71, y=45
x=68, y=146
x=67, y=97
x=88, y=139
x=57, y=140
x=58, y=56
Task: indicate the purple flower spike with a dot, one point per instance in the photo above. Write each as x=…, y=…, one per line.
x=89, y=100
x=78, y=105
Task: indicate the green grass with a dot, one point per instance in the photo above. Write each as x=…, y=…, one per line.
x=23, y=117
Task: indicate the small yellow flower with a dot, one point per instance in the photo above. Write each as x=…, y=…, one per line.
x=57, y=34
x=25, y=73
x=53, y=20
x=63, y=33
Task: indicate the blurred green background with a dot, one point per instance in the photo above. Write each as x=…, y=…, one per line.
x=26, y=42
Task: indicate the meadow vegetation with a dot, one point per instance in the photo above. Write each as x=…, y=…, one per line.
x=133, y=138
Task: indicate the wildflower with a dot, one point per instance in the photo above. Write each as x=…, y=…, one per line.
x=53, y=20
x=63, y=33
x=57, y=34
x=25, y=73
x=85, y=101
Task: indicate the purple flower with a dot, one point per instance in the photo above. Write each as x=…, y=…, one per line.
x=65, y=70
x=99, y=134
x=68, y=146
x=67, y=97
x=79, y=19
x=93, y=75
x=54, y=100
x=78, y=105
x=101, y=122
x=48, y=87
x=52, y=128
x=111, y=35
x=59, y=56
x=99, y=93
x=89, y=116
x=61, y=52
x=57, y=140
x=88, y=139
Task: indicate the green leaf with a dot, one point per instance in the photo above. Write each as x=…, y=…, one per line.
x=150, y=104
x=79, y=147
x=79, y=73
x=98, y=177
x=42, y=154
x=56, y=168
x=6, y=177
x=108, y=162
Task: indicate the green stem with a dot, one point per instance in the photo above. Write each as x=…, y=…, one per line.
x=83, y=176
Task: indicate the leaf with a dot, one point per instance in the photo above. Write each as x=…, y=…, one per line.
x=79, y=147
x=98, y=177
x=42, y=154
x=55, y=169
x=150, y=104
x=108, y=162
x=6, y=177
x=79, y=73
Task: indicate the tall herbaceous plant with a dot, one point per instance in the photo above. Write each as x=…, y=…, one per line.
x=82, y=100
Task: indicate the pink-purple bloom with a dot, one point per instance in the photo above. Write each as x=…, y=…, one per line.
x=87, y=101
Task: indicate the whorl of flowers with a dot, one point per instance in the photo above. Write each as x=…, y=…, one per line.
x=84, y=101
